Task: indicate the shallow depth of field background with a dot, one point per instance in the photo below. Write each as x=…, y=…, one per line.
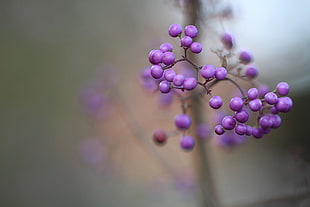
x=51, y=49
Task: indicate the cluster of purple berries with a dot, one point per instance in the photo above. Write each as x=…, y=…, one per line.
x=267, y=106
x=264, y=104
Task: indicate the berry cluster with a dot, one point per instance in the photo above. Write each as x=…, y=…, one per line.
x=260, y=102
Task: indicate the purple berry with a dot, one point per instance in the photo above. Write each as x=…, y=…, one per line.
x=175, y=30
x=160, y=136
x=271, y=98
x=220, y=73
x=241, y=129
x=219, y=130
x=182, y=121
x=155, y=56
x=196, y=47
x=207, y=71
x=255, y=105
x=164, y=86
x=274, y=110
x=251, y=72
x=227, y=40
x=265, y=122
x=276, y=121
x=191, y=31
x=228, y=122
x=166, y=47
x=157, y=71
x=249, y=130
x=190, y=83
x=187, y=142
x=169, y=74
x=236, y=103
x=284, y=104
x=178, y=80
x=168, y=58
x=216, y=102
x=242, y=116
x=253, y=93
x=257, y=133
x=283, y=88
x=245, y=57
x=186, y=41
x=203, y=131
x=262, y=90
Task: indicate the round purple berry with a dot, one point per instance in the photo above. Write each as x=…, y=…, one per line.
x=284, y=104
x=207, y=71
x=257, y=133
x=271, y=98
x=191, y=31
x=236, y=103
x=253, y=93
x=157, y=71
x=276, y=121
x=274, y=110
x=265, y=122
x=262, y=90
x=155, y=56
x=242, y=116
x=249, y=130
x=164, y=86
x=227, y=40
x=182, y=121
x=245, y=57
x=228, y=122
x=241, y=129
x=219, y=130
x=169, y=74
x=283, y=88
x=178, y=79
x=196, y=47
x=175, y=30
x=190, y=83
x=160, y=136
x=216, y=102
x=168, y=58
x=255, y=105
x=166, y=47
x=251, y=72
x=186, y=41
x=187, y=142
x=220, y=73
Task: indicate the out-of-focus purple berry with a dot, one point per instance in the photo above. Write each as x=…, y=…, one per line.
x=190, y=83
x=220, y=73
x=241, y=129
x=236, y=103
x=164, y=86
x=157, y=71
x=219, y=130
x=165, y=99
x=242, y=116
x=284, y=104
x=207, y=71
x=231, y=139
x=168, y=58
x=155, y=56
x=160, y=136
x=257, y=133
x=169, y=74
x=274, y=110
x=146, y=79
x=249, y=130
x=271, y=98
x=186, y=41
x=276, y=121
x=175, y=30
x=265, y=122
x=196, y=47
x=251, y=72
x=253, y=93
x=203, y=131
x=216, y=102
x=191, y=31
x=178, y=80
x=255, y=105
x=227, y=40
x=245, y=57
x=166, y=47
x=262, y=90
x=228, y=122
x=283, y=88
x=182, y=121
x=187, y=142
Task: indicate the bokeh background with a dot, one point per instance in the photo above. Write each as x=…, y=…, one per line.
x=53, y=152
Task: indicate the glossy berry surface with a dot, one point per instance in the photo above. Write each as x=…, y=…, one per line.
x=169, y=74
x=236, y=103
x=216, y=102
x=255, y=105
x=157, y=71
x=155, y=56
x=196, y=47
x=191, y=31
x=284, y=104
x=182, y=121
x=165, y=47
x=283, y=88
x=228, y=122
x=190, y=83
x=220, y=73
x=186, y=41
x=168, y=58
x=175, y=30
x=164, y=86
x=242, y=116
x=178, y=79
x=219, y=130
x=271, y=98
x=253, y=93
x=187, y=142
x=207, y=71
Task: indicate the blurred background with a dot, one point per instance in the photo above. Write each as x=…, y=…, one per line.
x=76, y=125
